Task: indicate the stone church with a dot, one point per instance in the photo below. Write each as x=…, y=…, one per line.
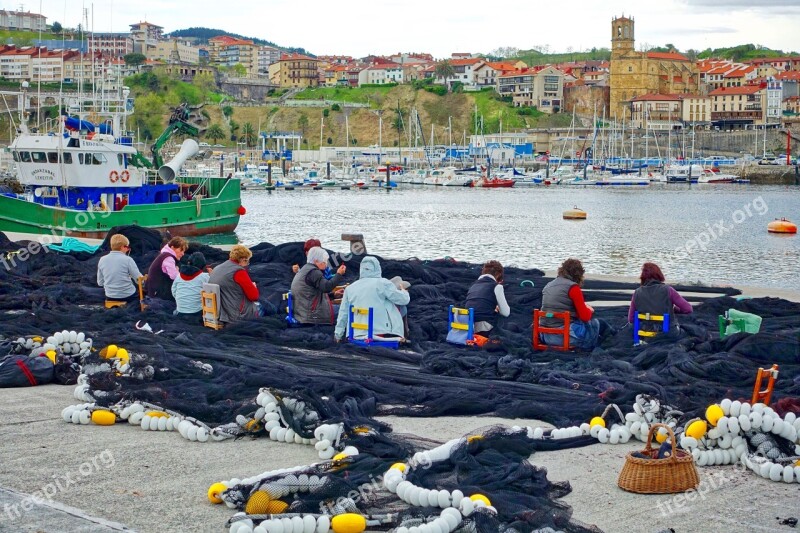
x=635, y=73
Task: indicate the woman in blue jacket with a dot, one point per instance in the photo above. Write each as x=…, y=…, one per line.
x=383, y=296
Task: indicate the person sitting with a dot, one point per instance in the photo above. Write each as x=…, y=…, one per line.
x=403, y=285
x=309, y=244
x=311, y=302
x=164, y=269
x=487, y=298
x=371, y=290
x=564, y=294
x=238, y=294
x=657, y=298
x=117, y=271
x=189, y=284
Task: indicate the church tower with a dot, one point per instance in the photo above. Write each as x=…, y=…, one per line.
x=622, y=41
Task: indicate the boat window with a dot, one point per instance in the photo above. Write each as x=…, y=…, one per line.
x=39, y=157
x=67, y=158
x=15, y=155
x=120, y=161
x=98, y=159
x=87, y=159
x=52, y=157
x=25, y=156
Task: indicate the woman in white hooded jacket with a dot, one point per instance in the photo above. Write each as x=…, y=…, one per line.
x=383, y=296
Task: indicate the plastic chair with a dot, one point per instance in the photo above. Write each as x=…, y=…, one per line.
x=370, y=339
x=538, y=330
x=290, y=319
x=111, y=304
x=461, y=329
x=647, y=317
x=764, y=396
x=210, y=305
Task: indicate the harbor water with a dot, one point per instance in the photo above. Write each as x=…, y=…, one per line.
x=712, y=234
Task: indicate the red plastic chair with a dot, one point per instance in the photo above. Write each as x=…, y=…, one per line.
x=764, y=396
x=537, y=329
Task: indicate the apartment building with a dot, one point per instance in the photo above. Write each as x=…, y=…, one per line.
x=266, y=56
x=656, y=111
x=22, y=20
x=175, y=51
x=695, y=110
x=464, y=71
x=296, y=71
x=32, y=63
x=737, y=107
x=145, y=36
x=111, y=44
x=228, y=51
x=542, y=88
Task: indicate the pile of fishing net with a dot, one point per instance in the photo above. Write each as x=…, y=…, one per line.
x=178, y=375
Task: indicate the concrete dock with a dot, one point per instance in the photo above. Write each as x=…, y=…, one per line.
x=58, y=477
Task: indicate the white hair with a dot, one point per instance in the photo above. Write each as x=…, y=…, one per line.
x=317, y=254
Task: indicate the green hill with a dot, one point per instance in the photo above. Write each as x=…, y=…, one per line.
x=202, y=35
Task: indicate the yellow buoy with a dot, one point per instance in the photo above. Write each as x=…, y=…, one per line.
x=713, y=414
x=696, y=429
x=399, y=466
x=348, y=523
x=597, y=421
x=51, y=355
x=480, y=498
x=340, y=457
x=122, y=354
x=276, y=507
x=782, y=225
x=661, y=437
x=574, y=214
x=109, y=351
x=101, y=417
x=155, y=414
x=473, y=438
x=258, y=503
x=215, y=492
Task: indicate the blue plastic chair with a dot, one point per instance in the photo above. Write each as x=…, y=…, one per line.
x=290, y=320
x=647, y=317
x=460, y=331
x=370, y=339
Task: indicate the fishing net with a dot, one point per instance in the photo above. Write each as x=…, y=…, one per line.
x=212, y=377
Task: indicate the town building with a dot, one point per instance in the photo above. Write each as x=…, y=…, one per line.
x=695, y=110
x=296, y=71
x=738, y=107
x=266, y=56
x=228, y=51
x=542, y=88
x=111, y=44
x=635, y=73
x=175, y=51
x=22, y=20
x=145, y=36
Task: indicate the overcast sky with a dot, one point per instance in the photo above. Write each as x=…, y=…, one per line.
x=441, y=27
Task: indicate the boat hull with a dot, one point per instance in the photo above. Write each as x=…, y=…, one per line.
x=206, y=216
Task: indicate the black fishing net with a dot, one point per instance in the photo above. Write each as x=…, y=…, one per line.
x=213, y=376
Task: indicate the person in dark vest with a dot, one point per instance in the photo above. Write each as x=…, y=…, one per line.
x=564, y=294
x=487, y=298
x=657, y=298
x=164, y=269
x=238, y=294
x=311, y=301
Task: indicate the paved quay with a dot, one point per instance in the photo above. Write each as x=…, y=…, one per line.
x=99, y=478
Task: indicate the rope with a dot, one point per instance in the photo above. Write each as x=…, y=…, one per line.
x=524, y=282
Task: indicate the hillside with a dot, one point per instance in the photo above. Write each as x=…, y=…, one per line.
x=156, y=96
x=202, y=35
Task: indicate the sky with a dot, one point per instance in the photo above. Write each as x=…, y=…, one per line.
x=442, y=27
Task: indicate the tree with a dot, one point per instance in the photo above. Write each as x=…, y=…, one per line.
x=234, y=126
x=205, y=82
x=56, y=27
x=215, y=133
x=227, y=111
x=134, y=59
x=302, y=123
x=248, y=134
x=444, y=70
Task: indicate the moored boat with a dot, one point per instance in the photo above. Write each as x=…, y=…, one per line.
x=81, y=183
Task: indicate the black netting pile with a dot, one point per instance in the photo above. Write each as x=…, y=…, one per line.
x=52, y=291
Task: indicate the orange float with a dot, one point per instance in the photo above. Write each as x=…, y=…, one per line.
x=782, y=225
x=574, y=214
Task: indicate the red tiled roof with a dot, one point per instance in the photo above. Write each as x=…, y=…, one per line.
x=656, y=98
x=670, y=56
x=744, y=89
x=789, y=75
x=465, y=62
x=740, y=72
x=296, y=57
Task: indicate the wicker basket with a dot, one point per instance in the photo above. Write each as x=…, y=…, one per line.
x=676, y=473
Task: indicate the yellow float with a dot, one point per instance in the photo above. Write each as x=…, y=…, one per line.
x=597, y=421
x=102, y=417
x=348, y=523
x=782, y=225
x=696, y=429
x=574, y=214
x=713, y=414
x=215, y=491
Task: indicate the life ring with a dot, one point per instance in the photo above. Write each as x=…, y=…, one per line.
x=113, y=177
x=125, y=176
